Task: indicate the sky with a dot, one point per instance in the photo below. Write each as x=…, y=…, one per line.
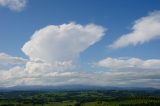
x=67, y=42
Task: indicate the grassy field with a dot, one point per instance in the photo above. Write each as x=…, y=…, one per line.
x=80, y=98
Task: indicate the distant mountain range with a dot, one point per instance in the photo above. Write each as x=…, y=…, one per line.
x=69, y=88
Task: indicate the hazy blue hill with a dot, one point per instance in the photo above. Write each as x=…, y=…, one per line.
x=70, y=88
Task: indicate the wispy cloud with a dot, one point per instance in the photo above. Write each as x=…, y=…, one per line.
x=15, y=5
x=144, y=29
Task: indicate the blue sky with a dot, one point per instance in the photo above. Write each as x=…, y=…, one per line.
x=117, y=16
x=18, y=25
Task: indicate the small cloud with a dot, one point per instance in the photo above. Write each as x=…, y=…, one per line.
x=7, y=59
x=145, y=29
x=133, y=63
x=15, y=5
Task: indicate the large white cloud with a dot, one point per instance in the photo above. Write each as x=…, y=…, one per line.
x=62, y=42
x=15, y=5
x=117, y=63
x=52, y=51
x=144, y=29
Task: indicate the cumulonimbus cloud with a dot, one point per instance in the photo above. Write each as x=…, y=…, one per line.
x=144, y=29
x=15, y=5
x=62, y=42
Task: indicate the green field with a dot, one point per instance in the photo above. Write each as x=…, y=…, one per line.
x=80, y=98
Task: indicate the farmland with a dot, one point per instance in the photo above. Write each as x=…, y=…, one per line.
x=80, y=98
